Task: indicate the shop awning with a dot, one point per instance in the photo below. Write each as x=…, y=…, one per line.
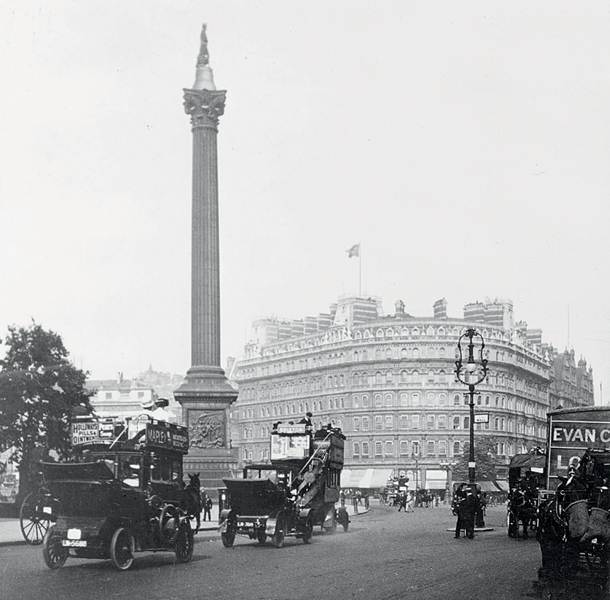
x=365, y=478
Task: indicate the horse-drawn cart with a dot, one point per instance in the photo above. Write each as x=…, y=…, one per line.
x=123, y=496
x=525, y=478
x=574, y=511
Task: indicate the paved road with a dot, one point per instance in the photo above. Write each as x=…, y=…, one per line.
x=385, y=555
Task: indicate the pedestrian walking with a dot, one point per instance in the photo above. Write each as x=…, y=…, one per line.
x=402, y=501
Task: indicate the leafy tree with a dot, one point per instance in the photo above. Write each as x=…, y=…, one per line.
x=485, y=459
x=39, y=390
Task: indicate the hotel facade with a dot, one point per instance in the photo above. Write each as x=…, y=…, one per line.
x=388, y=382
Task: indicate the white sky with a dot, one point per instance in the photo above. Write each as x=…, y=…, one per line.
x=465, y=145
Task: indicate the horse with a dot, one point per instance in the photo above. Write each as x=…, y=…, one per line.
x=191, y=499
x=521, y=509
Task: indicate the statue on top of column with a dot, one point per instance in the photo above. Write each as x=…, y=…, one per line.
x=204, y=57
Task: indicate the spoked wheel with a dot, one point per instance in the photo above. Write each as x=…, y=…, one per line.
x=228, y=536
x=185, y=543
x=122, y=549
x=278, y=537
x=261, y=538
x=308, y=531
x=54, y=554
x=34, y=522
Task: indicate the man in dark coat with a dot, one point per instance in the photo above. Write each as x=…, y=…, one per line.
x=465, y=507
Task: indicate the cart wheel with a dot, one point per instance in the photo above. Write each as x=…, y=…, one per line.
x=228, y=536
x=261, y=538
x=54, y=554
x=34, y=523
x=122, y=549
x=277, y=539
x=308, y=531
x=185, y=543
x=512, y=524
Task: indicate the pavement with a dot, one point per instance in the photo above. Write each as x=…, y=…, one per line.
x=10, y=529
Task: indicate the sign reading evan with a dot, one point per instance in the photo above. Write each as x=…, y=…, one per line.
x=569, y=440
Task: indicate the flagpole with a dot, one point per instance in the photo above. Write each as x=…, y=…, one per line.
x=360, y=271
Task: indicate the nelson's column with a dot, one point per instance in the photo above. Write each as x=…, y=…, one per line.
x=206, y=394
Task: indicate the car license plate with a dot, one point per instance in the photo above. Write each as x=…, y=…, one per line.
x=74, y=543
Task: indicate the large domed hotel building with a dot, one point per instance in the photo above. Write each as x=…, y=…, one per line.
x=388, y=381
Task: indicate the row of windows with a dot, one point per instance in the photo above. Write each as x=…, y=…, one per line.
x=406, y=400
x=413, y=449
x=433, y=421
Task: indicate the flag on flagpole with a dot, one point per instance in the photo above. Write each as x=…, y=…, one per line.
x=354, y=250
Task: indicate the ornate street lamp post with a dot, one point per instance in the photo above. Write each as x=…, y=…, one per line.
x=471, y=375
x=416, y=456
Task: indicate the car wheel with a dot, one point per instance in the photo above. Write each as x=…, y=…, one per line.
x=308, y=531
x=332, y=528
x=122, y=548
x=185, y=543
x=278, y=537
x=228, y=536
x=54, y=554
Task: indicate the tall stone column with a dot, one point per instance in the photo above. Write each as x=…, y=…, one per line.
x=206, y=394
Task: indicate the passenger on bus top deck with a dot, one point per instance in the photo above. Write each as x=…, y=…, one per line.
x=157, y=409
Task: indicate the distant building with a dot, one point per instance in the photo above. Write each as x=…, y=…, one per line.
x=125, y=398
x=388, y=381
x=571, y=384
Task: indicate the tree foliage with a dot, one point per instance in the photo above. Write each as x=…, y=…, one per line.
x=39, y=390
x=485, y=458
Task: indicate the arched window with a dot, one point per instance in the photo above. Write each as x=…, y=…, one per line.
x=404, y=377
x=404, y=353
x=389, y=400
x=404, y=399
x=379, y=333
x=356, y=452
x=415, y=399
x=378, y=449
x=378, y=400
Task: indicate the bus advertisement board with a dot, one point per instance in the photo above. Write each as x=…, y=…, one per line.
x=571, y=432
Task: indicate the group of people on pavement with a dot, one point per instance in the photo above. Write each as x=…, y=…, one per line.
x=406, y=501
x=469, y=507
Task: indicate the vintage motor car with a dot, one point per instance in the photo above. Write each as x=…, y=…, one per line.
x=122, y=496
x=292, y=493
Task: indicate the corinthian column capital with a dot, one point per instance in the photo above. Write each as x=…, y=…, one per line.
x=205, y=107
